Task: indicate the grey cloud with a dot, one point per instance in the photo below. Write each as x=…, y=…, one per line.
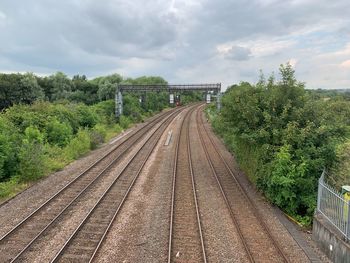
x=52, y=31
x=238, y=53
x=98, y=37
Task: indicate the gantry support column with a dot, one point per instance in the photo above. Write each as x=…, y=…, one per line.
x=118, y=103
x=218, y=101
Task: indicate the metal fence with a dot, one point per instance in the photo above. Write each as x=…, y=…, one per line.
x=332, y=205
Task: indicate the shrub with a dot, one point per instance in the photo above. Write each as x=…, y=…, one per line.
x=8, y=144
x=31, y=155
x=97, y=135
x=79, y=145
x=87, y=117
x=124, y=122
x=105, y=111
x=58, y=133
x=340, y=173
x=7, y=188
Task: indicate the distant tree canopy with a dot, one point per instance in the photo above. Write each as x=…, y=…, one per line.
x=18, y=88
x=27, y=88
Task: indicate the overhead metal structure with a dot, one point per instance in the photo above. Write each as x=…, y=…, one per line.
x=214, y=89
x=171, y=88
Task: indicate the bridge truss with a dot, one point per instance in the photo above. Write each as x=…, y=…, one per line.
x=213, y=89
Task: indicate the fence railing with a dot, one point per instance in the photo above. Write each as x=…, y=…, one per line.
x=332, y=205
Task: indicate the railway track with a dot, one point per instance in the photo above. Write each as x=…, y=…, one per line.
x=186, y=242
x=256, y=238
x=90, y=234
x=15, y=243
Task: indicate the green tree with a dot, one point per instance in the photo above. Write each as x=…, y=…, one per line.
x=107, y=86
x=61, y=86
x=30, y=88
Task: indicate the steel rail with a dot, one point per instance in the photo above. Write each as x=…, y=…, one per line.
x=175, y=168
x=125, y=196
x=233, y=217
x=98, y=177
x=78, y=177
x=245, y=194
x=194, y=189
x=173, y=190
x=71, y=238
x=70, y=204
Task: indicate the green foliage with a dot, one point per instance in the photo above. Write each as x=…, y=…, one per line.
x=30, y=86
x=124, y=122
x=17, y=88
x=191, y=96
x=284, y=178
x=112, y=131
x=144, y=80
x=8, y=147
x=44, y=137
x=79, y=145
x=31, y=155
x=61, y=86
x=86, y=116
x=107, y=86
x=283, y=137
x=132, y=107
x=83, y=90
x=11, y=187
x=58, y=133
x=105, y=111
x=97, y=135
x=340, y=172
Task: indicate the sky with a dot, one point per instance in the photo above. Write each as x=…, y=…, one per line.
x=184, y=41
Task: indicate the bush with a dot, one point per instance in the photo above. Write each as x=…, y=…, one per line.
x=113, y=131
x=340, y=172
x=105, y=111
x=58, y=133
x=7, y=188
x=78, y=145
x=31, y=155
x=124, y=122
x=87, y=117
x=8, y=145
x=97, y=135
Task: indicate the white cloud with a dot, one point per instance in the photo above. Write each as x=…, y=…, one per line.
x=258, y=47
x=345, y=64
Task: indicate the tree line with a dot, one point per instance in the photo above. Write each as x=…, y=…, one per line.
x=27, y=88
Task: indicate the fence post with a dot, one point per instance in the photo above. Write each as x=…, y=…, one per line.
x=347, y=223
x=319, y=192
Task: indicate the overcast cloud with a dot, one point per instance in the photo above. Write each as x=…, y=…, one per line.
x=184, y=41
